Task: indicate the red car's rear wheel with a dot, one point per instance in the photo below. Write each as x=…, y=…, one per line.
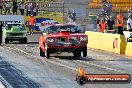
x=85, y=52
x=42, y=53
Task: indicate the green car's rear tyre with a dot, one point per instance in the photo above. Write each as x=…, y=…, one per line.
x=6, y=41
x=23, y=40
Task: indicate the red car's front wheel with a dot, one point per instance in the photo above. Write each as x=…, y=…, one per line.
x=47, y=53
x=85, y=52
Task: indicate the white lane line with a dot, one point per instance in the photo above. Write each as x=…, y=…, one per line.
x=42, y=59
x=4, y=83
x=1, y=85
x=101, y=66
x=74, y=69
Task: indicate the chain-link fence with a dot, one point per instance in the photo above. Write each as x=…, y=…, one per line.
x=51, y=8
x=60, y=8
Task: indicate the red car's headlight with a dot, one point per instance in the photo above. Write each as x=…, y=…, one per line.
x=83, y=38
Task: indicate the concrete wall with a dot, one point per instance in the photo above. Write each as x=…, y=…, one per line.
x=109, y=42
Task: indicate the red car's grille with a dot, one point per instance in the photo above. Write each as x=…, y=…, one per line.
x=61, y=39
x=73, y=39
x=70, y=39
x=15, y=34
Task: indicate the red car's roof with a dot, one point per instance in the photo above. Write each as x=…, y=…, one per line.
x=62, y=25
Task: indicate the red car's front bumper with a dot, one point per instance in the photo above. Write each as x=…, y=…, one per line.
x=66, y=45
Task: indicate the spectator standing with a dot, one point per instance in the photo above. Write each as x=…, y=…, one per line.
x=95, y=25
x=129, y=11
x=97, y=21
x=22, y=7
x=73, y=16
x=15, y=7
x=1, y=24
x=102, y=26
x=69, y=15
x=31, y=24
x=1, y=5
x=7, y=7
x=104, y=9
x=129, y=23
x=29, y=8
x=107, y=18
x=120, y=27
x=26, y=6
x=37, y=7
x=110, y=23
x=34, y=9
x=120, y=17
x=109, y=8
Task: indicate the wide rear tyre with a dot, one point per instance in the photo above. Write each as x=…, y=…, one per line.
x=42, y=54
x=85, y=52
x=6, y=41
x=23, y=40
x=77, y=53
x=47, y=53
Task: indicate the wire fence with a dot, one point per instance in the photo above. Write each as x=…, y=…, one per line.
x=58, y=7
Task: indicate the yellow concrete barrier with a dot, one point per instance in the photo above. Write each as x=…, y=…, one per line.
x=128, y=50
x=109, y=42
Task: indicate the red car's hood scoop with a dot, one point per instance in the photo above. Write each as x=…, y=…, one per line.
x=65, y=32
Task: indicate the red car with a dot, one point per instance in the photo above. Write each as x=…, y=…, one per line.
x=63, y=38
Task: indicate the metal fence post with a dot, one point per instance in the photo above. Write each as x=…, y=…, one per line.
x=63, y=10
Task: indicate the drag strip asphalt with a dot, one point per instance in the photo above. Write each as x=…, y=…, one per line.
x=60, y=70
x=68, y=62
x=80, y=60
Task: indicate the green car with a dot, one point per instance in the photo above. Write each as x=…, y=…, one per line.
x=14, y=31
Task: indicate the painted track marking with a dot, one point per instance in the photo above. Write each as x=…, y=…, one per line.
x=69, y=67
x=42, y=59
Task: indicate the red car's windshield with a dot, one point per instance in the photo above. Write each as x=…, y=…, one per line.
x=56, y=29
